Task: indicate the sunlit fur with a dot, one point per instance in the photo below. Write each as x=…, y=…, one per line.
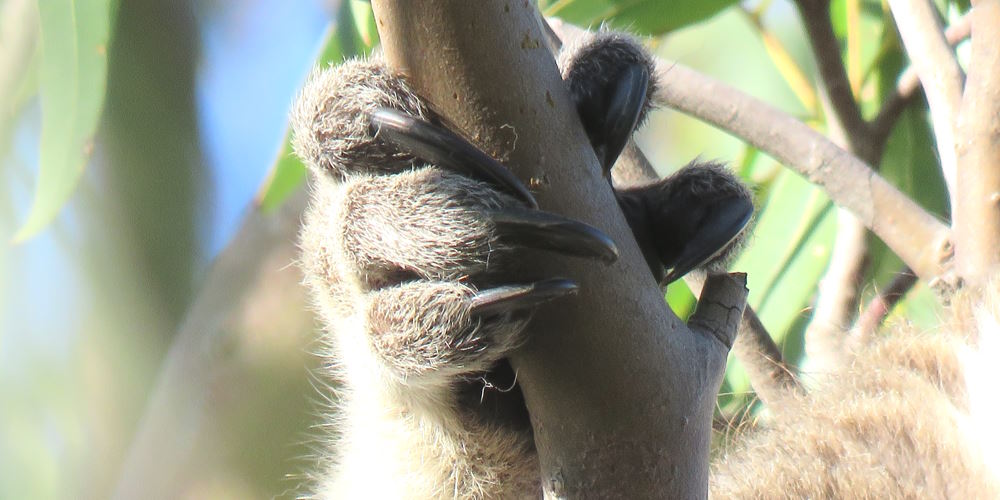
x=912, y=416
x=388, y=260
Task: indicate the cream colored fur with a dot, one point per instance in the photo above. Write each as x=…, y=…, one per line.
x=388, y=249
x=911, y=417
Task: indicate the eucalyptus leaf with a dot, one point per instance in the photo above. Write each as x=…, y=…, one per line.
x=364, y=23
x=787, y=255
x=647, y=17
x=72, y=79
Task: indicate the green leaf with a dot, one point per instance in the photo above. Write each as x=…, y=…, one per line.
x=789, y=250
x=354, y=34
x=680, y=299
x=364, y=23
x=648, y=17
x=72, y=79
x=288, y=172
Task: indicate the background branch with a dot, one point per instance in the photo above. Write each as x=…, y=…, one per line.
x=915, y=235
x=909, y=84
x=839, y=288
x=815, y=15
x=976, y=213
x=198, y=366
x=938, y=69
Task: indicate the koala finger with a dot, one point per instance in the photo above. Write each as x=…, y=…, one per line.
x=431, y=224
x=330, y=119
x=694, y=218
x=444, y=148
x=423, y=330
x=609, y=77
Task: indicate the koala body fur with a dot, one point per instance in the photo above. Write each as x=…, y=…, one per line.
x=399, y=253
x=910, y=416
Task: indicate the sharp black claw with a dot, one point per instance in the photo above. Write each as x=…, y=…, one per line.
x=611, y=110
x=509, y=298
x=727, y=220
x=444, y=148
x=628, y=99
x=548, y=231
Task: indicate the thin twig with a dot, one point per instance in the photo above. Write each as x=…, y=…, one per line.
x=939, y=72
x=839, y=288
x=816, y=17
x=880, y=306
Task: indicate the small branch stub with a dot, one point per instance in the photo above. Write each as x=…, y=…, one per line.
x=720, y=307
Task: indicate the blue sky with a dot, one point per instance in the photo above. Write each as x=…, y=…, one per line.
x=253, y=60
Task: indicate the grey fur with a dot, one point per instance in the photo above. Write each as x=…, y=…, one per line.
x=330, y=119
x=392, y=251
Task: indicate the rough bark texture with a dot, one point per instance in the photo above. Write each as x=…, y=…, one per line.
x=621, y=393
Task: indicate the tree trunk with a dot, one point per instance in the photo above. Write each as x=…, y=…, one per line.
x=620, y=391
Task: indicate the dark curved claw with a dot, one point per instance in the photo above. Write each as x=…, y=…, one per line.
x=548, y=231
x=610, y=111
x=624, y=109
x=444, y=148
x=722, y=224
x=510, y=298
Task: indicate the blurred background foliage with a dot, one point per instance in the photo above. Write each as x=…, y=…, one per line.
x=136, y=135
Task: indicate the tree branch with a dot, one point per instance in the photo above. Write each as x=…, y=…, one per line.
x=614, y=382
x=976, y=213
x=909, y=84
x=837, y=296
x=915, y=235
x=198, y=364
x=838, y=290
x=815, y=15
x=942, y=78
